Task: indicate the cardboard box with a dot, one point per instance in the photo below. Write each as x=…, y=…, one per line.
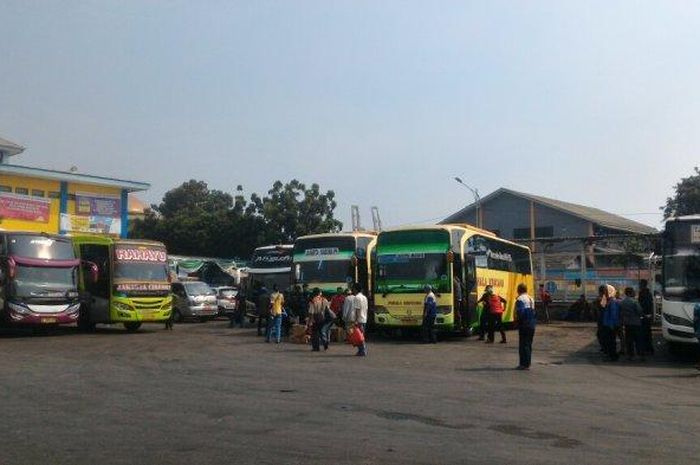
x=298, y=331
x=337, y=334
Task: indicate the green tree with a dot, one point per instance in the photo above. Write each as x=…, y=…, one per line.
x=686, y=200
x=292, y=210
x=195, y=220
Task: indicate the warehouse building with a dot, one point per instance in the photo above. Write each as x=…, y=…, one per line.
x=575, y=247
x=64, y=202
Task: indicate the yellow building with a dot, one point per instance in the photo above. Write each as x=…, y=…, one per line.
x=37, y=199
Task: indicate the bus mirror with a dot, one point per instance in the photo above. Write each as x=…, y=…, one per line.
x=450, y=257
x=353, y=260
x=297, y=272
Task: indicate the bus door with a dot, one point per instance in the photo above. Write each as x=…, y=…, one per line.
x=471, y=297
x=100, y=290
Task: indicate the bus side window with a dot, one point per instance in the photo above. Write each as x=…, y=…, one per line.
x=470, y=273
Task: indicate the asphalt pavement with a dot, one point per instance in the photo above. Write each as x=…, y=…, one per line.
x=206, y=394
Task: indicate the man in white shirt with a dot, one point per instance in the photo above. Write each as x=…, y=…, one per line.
x=348, y=310
x=359, y=314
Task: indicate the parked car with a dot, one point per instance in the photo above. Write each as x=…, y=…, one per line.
x=226, y=300
x=194, y=299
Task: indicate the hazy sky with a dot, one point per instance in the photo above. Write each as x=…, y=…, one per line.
x=384, y=102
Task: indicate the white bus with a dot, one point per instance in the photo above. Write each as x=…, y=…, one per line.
x=681, y=279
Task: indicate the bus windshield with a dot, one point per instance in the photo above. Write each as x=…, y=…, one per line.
x=681, y=260
x=682, y=276
x=31, y=281
x=408, y=260
x=40, y=247
x=410, y=272
x=328, y=271
x=281, y=280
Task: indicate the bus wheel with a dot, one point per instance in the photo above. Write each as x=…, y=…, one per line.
x=132, y=327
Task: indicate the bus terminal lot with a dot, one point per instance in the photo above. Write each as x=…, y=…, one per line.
x=205, y=394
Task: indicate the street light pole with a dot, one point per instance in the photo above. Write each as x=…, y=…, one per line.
x=477, y=201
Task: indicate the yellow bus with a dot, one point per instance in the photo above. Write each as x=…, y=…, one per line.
x=452, y=258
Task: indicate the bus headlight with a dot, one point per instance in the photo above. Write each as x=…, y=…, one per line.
x=380, y=309
x=444, y=309
x=121, y=306
x=677, y=320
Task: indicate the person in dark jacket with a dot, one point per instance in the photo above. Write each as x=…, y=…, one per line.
x=526, y=320
x=429, y=315
x=262, y=304
x=646, y=300
x=632, y=315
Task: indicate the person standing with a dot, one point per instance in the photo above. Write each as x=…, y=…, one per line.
x=241, y=307
x=348, y=309
x=646, y=300
x=526, y=320
x=318, y=306
x=360, y=307
x=262, y=304
x=546, y=299
x=632, y=315
x=599, y=310
x=429, y=315
x=497, y=305
x=611, y=324
x=485, y=313
x=337, y=304
x=276, y=310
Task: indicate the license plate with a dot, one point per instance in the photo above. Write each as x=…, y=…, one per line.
x=410, y=321
x=48, y=320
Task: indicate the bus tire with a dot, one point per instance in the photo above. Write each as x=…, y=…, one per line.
x=133, y=326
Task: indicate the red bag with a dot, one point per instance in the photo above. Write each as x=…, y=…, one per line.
x=356, y=338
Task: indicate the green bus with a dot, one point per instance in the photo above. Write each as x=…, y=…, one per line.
x=453, y=259
x=132, y=286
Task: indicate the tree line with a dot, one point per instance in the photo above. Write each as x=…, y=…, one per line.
x=195, y=220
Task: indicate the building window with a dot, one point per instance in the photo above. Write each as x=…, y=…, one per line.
x=5, y=189
x=54, y=195
x=37, y=193
x=546, y=231
x=71, y=197
x=521, y=233
x=21, y=191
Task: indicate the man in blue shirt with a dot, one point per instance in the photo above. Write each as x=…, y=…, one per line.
x=429, y=315
x=526, y=319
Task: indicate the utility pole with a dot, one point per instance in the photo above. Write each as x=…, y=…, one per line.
x=477, y=202
x=376, y=219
